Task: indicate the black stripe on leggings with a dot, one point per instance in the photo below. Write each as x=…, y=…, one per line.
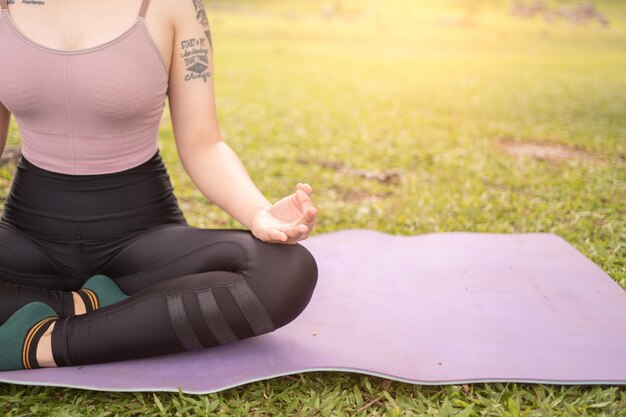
x=60, y=349
x=214, y=318
x=255, y=312
x=182, y=326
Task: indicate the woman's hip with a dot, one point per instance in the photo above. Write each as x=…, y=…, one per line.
x=58, y=206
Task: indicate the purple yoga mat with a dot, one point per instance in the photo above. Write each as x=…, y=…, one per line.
x=443, y=308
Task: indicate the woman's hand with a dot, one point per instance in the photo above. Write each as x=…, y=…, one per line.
x=288, y=220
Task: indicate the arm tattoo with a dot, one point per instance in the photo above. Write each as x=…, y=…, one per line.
x=37, y=2
x=204, y=21
x=195, y=54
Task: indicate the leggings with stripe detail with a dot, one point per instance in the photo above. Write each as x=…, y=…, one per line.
x=189, y=288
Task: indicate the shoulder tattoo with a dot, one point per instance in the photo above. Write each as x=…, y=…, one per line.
x=195, y=53
x=202, y=19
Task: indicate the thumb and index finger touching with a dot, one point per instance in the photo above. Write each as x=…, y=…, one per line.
x=303, y=195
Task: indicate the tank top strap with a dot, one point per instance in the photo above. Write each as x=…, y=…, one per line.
x=142, y=10
x=5, y=5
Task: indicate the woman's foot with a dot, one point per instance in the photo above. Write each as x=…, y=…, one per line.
x=97, y=292
x=20, y=336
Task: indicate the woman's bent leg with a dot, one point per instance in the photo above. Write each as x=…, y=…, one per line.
x=190, y=288
x=27, y=275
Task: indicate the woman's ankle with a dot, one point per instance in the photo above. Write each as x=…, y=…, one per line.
x=44, y=349
x=79, y=305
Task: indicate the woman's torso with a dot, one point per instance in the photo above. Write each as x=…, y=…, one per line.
x=94, y=108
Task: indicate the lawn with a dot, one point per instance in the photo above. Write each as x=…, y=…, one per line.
x=407, y=117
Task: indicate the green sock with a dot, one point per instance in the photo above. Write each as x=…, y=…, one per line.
x=20, y=334
x=100, y=291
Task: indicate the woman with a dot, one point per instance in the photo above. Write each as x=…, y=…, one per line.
x=97, y=262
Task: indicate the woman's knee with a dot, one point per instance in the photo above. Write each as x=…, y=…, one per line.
x=270, y=285
x=303, y=274
x=285, y=280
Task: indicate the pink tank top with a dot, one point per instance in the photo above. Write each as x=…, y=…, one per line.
x=95, y=110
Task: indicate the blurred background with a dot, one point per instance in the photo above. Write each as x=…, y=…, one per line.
x=417, y=116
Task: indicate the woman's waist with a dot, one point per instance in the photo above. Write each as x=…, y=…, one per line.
x=97, y=219
x=120, y=201
x=72, y=197
x=115, y=225
x=73, y=212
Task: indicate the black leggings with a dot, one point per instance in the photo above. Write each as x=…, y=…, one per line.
x=189, y=288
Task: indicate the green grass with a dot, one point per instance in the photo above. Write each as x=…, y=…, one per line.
x=431, y=93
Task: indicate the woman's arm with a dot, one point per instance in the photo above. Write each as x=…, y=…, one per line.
x=5, y=120
x=211, y=163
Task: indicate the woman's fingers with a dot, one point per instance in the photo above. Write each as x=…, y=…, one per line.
x=278, y=235
x=309, y=216
x=300, y=228
x=296, y=230
x=304, y=199
x=290, y=234
x=304, y=196
x=305, y=187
